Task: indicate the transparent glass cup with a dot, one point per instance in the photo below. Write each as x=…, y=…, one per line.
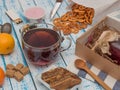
x=42, y=43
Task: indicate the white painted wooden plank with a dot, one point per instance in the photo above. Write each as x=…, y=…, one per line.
x=68, y=57
x=62, y=10
x=6, y=84
x=48, y=7
x=34, y=70
x=26, y=4
x=15, y=58
x=17, y=27
x=43, y=3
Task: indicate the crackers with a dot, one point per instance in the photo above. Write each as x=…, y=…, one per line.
x=18, y=72
x=76, y=19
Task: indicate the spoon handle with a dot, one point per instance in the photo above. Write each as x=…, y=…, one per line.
x=105, y=86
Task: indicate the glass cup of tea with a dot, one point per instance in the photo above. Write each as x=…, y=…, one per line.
x=41, y=43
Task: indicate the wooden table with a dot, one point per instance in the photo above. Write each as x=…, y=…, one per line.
x=29, y=82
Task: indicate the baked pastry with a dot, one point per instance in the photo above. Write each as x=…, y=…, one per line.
x=60, y=78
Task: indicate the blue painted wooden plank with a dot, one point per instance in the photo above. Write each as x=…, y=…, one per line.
x=34, y=69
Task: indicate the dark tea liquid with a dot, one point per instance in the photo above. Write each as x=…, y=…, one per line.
x=43, y=45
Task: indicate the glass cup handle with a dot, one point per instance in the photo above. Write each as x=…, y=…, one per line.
x=69, y=45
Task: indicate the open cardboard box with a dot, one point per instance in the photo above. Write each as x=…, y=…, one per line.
x=94, y=58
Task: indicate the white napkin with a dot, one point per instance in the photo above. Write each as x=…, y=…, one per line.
x=98, y=5
x=95, y=3
x=101, y=7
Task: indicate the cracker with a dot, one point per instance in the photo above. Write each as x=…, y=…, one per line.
x=18, y=72
x=24, y=70
x=18, y=76
x=10, y=73
x=19, y=66
x=10, y=66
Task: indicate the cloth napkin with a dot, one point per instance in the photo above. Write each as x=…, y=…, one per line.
x=101, y=7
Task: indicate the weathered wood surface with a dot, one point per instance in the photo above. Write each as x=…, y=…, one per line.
x=30, y=82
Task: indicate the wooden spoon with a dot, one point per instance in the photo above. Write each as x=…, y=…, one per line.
x=80, y=64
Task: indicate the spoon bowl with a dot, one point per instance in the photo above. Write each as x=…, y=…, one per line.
x=80, y=63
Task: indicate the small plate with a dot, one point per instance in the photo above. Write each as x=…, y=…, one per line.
x=46, y=84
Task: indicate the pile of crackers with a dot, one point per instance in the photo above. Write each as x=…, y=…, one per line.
x=18, y=72
x=76, y=19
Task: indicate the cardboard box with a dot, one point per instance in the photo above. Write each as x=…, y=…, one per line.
x=94, y=58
